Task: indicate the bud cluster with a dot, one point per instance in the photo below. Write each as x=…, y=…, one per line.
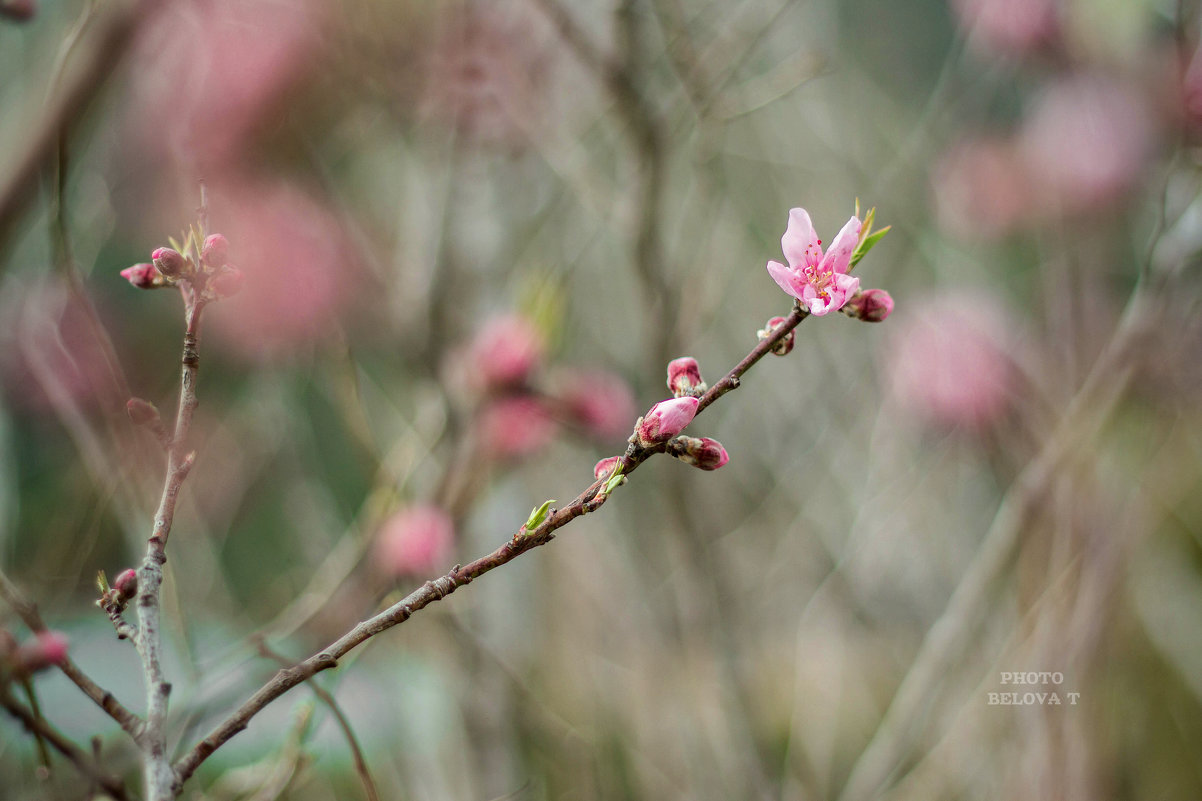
x=19, y=661
x=115, y=597
x=204, y=265
x=662, y=424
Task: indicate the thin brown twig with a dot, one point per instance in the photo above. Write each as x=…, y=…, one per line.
x=589, y=500
x=29, y=614
x=369, y=785
x=37, y=726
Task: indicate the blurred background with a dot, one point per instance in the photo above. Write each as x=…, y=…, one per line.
x=473, y=234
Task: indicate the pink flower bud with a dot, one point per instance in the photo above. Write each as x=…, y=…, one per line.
x=785, y=345
x=169, y=261
x=142, y=413
x=215, y=251
x=684, y=377
x=511, y=428
x=46, y=649
x=703, y=452
x=665, y=420
x=126, y=584
x=228, y=282
x=143, y=276
x=606, y=466
x=871, y=306
x=505, y=352
x=416, y=540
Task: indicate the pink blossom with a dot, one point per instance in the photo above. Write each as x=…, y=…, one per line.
x=515, y=427
x=819, y=281
x=948, y=361
x=666, y=419
x=1085, y=143
x=601, y=402
x=415, y=540
x=505, y=352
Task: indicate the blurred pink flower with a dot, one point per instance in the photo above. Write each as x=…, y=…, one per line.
x=601, y=402
x=948, y=360
x=212, y=76
x=820, y=282
x=297, y=268
x=416, y=540
x=514, y=427
x=1085, y=143
x=1010, y=27
x=1191, y=90
x=49, y=353
x=505, y=352
x=486, y=75
x=981, y=189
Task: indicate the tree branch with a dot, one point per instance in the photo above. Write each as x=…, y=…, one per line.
x=28, y=612
x=156, y=764
x=587, y=501
x=43, y=730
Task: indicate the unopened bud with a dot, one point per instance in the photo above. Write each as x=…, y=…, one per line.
x=684, y=377
x=143, y=276
x=126, y=584
x=215, y=251
x=785, y=344
x=703, y=452
x=141, y=412
x=871, y=306
x=46, y=649
x=665, y=420
x=606, y=466
x=228, y=282
x=170, y=262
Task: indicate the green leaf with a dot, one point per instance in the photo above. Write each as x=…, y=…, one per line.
x=616, y=480
x=867, y=245
x=537, y=516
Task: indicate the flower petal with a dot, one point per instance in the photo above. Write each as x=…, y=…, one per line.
x=838, y=256
x=800, y=243
x=785, y=278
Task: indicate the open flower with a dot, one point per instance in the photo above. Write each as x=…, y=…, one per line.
x=819, y=281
